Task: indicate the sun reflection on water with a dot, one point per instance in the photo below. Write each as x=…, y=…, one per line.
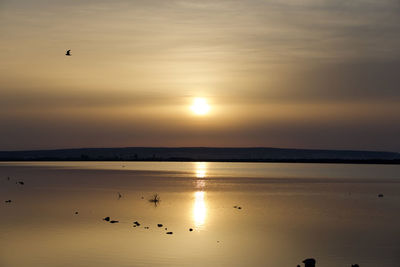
x=199, y=206
x=199, y=209
x=201, y=169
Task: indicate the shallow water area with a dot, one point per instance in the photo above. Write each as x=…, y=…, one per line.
x=288, y=212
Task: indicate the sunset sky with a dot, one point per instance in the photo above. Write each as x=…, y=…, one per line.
x=273, y=73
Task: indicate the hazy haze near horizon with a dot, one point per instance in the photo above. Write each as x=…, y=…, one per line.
x=278, y=73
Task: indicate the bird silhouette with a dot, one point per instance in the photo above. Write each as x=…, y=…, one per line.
x=68, y=53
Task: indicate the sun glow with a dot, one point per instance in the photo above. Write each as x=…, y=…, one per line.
x=200, y=106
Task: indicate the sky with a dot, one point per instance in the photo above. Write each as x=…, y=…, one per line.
x=275, y=73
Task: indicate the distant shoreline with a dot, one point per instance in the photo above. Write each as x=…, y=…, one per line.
x=321, y=161
x=210, y=154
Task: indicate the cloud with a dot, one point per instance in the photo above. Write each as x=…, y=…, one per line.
x=149, y=57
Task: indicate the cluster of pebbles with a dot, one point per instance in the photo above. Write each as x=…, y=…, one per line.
x=137, y=224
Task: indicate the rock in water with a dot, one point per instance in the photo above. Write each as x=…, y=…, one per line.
x=309, y=262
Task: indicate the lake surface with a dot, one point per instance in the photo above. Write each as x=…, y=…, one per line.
x=289, y=212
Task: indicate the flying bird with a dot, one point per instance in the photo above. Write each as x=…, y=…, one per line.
x=68, y=53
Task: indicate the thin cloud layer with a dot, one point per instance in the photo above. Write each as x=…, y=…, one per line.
x=146, y=60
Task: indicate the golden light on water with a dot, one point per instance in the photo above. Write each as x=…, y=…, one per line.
x=200, y=106
x=201, y=169
x=199, y=209
x=199, y=206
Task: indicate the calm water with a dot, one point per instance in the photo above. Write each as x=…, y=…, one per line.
x=289, y=212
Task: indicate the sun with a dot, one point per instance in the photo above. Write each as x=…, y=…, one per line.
x=200, y=106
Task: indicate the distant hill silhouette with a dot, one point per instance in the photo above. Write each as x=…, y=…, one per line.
x=251, y=154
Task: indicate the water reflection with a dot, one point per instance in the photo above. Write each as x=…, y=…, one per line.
x=201, y=169
x=199, y=209
x=199, y=206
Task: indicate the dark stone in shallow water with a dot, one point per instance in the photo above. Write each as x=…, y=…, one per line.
x=309, y=262
x=107, y=219
x=114, y=221
x=136, y=223
x=169, y=233
x=190, y=229
x=159, y=225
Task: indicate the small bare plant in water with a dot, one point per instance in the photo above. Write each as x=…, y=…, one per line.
x=155, y=199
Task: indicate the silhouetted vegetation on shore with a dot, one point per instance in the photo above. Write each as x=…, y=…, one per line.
x=205, y=154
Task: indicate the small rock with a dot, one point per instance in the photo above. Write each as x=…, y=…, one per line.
x=76, y=212
x=380, y=195
x=8, y=201
x=235, y=207
x=355, y=265
x=107, y=219
x=159, y=225
x=165, y=228
x=169, y=233
x=136, y=223
x=114, y=221
x=146, y=227
x=20, y=182
x=310, y=262
x=190, y=229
